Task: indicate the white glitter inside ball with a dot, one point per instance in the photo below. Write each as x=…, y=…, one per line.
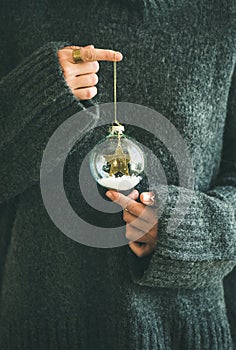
x=122, y=183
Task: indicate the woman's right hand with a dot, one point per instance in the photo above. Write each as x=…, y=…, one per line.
x=81, y=77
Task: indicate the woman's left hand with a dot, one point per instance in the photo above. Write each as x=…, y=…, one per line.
x=141, y=220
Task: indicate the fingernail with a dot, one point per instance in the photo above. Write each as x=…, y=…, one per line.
x=135, y=194
x=146, y=197
x=118, y=56
x=110, y=194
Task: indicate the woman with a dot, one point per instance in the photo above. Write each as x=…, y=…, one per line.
x=179, y=59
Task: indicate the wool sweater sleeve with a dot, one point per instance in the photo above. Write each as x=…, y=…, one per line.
x=202, y=249
x=35, y=100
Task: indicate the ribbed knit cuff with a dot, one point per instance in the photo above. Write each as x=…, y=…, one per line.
x=198, y=251
x=167, y=273
x=32, y=88
x=36, y=100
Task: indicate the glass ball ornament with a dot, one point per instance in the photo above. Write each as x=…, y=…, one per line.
x=117, y=161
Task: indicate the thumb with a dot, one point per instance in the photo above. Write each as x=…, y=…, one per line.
x=147, y=198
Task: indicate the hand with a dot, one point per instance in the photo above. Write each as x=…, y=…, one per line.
x=81, y=77
x=140, y=218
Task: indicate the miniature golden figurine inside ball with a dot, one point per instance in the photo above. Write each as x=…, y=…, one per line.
x=117, y=161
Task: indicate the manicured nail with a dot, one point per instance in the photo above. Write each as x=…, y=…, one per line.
x=118, y=56
x=110, y=194
x=134, y=194
x=146, y=197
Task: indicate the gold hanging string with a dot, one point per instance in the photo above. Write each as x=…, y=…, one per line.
x=118, y=161
x=116, y=127
x=115, y=83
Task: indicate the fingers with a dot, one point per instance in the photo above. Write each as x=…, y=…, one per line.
x=142, y=234
x=135, y=208
x=133, y=195
x=65, y=54
x=83, y=81
x=141, y=249
x=86, y=67
x=140, y=231
x=86, y=93
x=72, y=70
x=81, y=77
x=133, y=234
x=138, y=223
x=89, y=54
x=140, y=245
x=119, y=198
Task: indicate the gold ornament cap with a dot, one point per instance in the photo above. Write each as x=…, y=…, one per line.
x=117, y=129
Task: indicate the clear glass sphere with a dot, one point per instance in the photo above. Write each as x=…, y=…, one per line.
x=117, y=162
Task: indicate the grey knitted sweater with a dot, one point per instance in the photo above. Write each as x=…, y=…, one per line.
x=179, y=59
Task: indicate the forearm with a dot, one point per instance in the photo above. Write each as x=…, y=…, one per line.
x=199, y=252
x=31, y=111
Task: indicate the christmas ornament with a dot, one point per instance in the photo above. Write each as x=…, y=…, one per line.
x=117, y=161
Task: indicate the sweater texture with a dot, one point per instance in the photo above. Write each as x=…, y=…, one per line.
x=179, y=59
